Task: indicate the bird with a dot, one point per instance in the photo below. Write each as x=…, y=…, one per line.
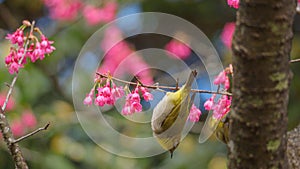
x=170, y=115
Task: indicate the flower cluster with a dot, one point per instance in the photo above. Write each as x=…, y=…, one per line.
x=195, y=114
x=94, y=15
x=222, y=106
x=105, y=94
x=29, y=46
x=178, y=49
x=108, y=93
x=233, y=3
x=66, y=10
x=132, y=103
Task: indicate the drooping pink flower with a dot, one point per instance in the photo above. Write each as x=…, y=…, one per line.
x=117, y=92
x=178, y=49
x=17, y=128
x=195, y=114
x=227, y=83
x=100, y=100
x=208, y=105
x=28, y=119
x=233, y=3
x=17, y=56
x=107, y=94
x=14, y=68
x=88, y=100
x=132, y=103
x=146, y=95
x=227, y=34
x=17, y=37
x=222, y=107
x=10, y=104
x=46, y=45
x=221, y=78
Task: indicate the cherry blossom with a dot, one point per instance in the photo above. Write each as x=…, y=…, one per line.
x=195, y=114
x=178, y=49
x=227, y=34
x=233, y=3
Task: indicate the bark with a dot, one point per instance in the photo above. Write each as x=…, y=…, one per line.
x=13, y=147
x=261, y=49
x=293, y=147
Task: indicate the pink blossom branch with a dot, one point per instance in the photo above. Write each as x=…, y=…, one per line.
x=5, y=128
x=162, y=87
x=32, y=133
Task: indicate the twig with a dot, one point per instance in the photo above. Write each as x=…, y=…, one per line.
x=294, y=60
x=5, y=128
x=32, y=133
x=163, y=87
x=11, y=86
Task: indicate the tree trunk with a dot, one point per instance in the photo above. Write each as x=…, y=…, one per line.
x=261, y=49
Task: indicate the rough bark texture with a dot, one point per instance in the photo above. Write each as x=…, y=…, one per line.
x=293, y=148
x=13, y=148
x=261, y=48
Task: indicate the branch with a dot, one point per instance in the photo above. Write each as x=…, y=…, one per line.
x=294, y=60
x=13, y=148
x=5, y=128
x=32, y=133
x=161, y=87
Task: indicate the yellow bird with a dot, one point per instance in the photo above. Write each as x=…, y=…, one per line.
x=170, y=115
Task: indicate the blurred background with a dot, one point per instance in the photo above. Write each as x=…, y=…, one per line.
x=43, y=92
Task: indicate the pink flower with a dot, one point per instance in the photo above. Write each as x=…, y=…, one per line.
x=227, y=34
x=46, y=46
x=17, y=128
x=221, y=78
x=227, y=83
x=28, y=119
x=94, y=15
x=195, y=114
x=108, y=12
x=208, y=105
x=10, y=104
x=178, y=49
x=89, y=98
x=233, y=3
x=18, y=56
x=222, y=107
x=14, y=68
x=107, y=94
x=16, y=38
x=132, y=103
x=63, y=9
x=146, y=95
x=91, y=14
x=117, y=92
x=100, y=100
